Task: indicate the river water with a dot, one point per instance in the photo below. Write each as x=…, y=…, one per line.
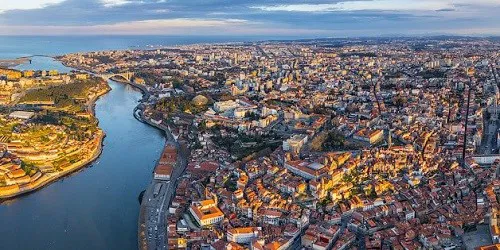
x=96, y=207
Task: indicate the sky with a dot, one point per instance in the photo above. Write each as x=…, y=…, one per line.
x=292, y=18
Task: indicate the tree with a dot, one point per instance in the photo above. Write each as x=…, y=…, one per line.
x=334, y=141
x=176, y=83
x=27, y=167
x=252, y=116
x=202, y=126
x=373, y=194
x=317, y=142
x=399, y=101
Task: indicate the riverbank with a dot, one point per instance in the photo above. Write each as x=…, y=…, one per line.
x=141, y=222
x=112, y=183
x=96, y=147
x=91, y=103
x=142, y=88
x=49, y=178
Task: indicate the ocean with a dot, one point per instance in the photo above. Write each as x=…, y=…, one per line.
x=19, y=46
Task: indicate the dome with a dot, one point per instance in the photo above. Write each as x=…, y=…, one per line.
x=200, y=100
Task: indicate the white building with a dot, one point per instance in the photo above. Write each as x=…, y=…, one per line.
x=295, y=143
x=243, y=234
x=24, y=115
x=225, y=105
x=163, y=172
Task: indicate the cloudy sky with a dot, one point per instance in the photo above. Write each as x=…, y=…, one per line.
x=306, y=18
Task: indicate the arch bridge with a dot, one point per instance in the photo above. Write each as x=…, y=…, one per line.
x=126, y=75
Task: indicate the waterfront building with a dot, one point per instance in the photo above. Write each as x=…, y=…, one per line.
x=163, y=172
x=169, y=155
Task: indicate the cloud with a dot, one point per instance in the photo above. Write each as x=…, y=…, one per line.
x=116, y=3
x=146, y=27
x=374, y=5
x=178, y=22
x=26, y=4
x=113, y=3
x=342, y=17
x=159, y=11
x=446, y=10
x=381, y=5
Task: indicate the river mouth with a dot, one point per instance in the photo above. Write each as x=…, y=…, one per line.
x=95, y=207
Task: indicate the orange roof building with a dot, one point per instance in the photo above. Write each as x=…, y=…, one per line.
x=206, y=212
x=243, y=234
x=169, y=155
x=368, y=135
x=490, y=247
x=163, y=172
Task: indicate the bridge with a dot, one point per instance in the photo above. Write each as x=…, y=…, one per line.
x=126, y=75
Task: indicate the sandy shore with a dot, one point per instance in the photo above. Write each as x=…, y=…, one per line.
x=10, y=63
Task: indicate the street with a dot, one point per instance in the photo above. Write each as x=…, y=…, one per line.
x=489, y=141
x=154, y=207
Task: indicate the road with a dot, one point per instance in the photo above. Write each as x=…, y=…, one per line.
x=154, y=209
x=489, y=140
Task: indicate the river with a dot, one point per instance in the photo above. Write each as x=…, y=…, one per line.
x=96, y=207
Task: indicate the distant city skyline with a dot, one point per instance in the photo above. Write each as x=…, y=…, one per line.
x=298, y=18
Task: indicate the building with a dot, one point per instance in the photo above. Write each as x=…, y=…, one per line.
x=240, y=112
x=11, y=74
x=490, y=247
x=243, y=234
x=39, y=103
x=272, y=217
x=163, y=172
x=28, y=73
x=306, y=170
x=370, y=136
x=295, y=143
x=279, y=244
x=169, y=155
x=81, y=76
x=225, y=105
x=24, y=115
x=206, y=212
x=139, y=80
x=494, y=224
x=177, y=243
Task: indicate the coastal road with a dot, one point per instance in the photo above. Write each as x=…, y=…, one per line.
x=154, y=209
x=157, y=208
